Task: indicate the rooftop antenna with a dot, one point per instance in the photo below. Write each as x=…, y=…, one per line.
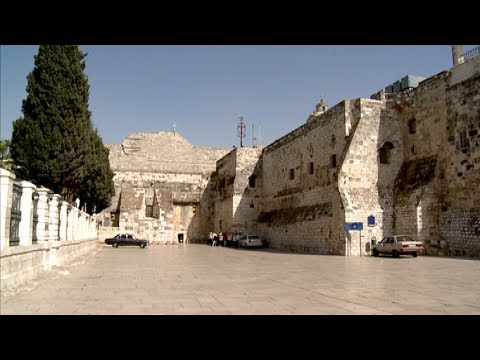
x=322, y=95
x=241, y=130
x=174, y=126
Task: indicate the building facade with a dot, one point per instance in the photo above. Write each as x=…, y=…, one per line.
x=406, y=160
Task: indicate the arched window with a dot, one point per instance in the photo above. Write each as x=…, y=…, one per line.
x=385, y=152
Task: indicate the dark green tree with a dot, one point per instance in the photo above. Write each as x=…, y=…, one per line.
x=55, y=144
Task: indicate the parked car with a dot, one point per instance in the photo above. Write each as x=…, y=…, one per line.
x=250, y=241
x=126, y=239
x=398, y=245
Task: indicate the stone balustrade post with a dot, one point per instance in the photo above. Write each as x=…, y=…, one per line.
x=43, y=214
x=69, y=222
x=54, y=217
x=26, y=207
x=6, y=193
x=75, y=235
x=63, y=221
x=82, y=222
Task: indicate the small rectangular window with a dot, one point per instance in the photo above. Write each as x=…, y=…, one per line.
x=463, y=140
x=333, y=160
x=310, y=168
x=292, y=174
x=412, y=126
x=149, y=211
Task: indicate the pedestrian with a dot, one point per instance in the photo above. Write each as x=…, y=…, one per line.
x=236, y=239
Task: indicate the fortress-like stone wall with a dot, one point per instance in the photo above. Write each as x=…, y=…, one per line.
x=301, y=205
x=437, y=191
x=364, y=181
x=160, y=181
x=410, y=159
x=238, y=201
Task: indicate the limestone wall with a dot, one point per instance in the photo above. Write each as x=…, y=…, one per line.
x=162, y=152
x=238, y=200
x=460, y=230
x=247, y=197
x=301, y=204
x=364, y=181
x=49, y=232
x=21, y=264
x=166, y=172
x=437, y=188
x=224, y=180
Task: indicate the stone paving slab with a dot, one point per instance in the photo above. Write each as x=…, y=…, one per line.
x=204, y=280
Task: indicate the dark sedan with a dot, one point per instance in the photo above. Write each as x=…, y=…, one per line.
x=126, y=239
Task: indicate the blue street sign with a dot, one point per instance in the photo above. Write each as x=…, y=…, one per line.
x=371, y=220
x=354, y=226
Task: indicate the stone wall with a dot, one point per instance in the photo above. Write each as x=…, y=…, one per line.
x=247, y=198
x=49, y=233
x=437, y=189
x=301, y=208
x=460, y=229
x=167, y=174
x=364, y=181
x=238, y=200
x=410, y=159
x=162, y=152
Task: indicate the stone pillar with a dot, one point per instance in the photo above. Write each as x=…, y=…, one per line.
x=93, y=227
x=89, y=227
x=84, y=225
x=63, y=221
x=75, y=224
x=43, y=214
x=81, y=224
x=53, y=220
x=26, y=207
x=457, y=53
x=6, y=193
x=70, y=222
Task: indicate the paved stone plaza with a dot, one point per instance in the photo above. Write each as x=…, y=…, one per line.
x=200, y=279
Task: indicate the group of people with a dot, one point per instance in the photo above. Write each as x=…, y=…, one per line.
x=223, y=239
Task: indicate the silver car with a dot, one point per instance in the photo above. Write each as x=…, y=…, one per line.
x=250, y=241
x=398, y=245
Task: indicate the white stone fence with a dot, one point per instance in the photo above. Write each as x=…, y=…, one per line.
x=39, y=230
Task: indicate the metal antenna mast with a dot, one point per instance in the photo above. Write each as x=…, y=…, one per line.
x=241, y=130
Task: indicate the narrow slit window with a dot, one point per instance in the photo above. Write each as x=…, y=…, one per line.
x=412, y=126
x=333, y=160
x=252, y=181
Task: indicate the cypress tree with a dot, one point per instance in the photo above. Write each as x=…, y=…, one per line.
x=55, y=144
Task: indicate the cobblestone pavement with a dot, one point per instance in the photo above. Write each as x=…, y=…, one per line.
x=200, y=279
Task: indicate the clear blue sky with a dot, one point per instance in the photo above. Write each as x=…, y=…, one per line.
x=203, y=89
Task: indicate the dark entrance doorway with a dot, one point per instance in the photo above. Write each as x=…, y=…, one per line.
x=180, y=238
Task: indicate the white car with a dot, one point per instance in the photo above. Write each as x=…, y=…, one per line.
x=250, y=241
x=398, y=245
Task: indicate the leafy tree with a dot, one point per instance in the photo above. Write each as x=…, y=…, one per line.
x=55, y=144
x=5, y=159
